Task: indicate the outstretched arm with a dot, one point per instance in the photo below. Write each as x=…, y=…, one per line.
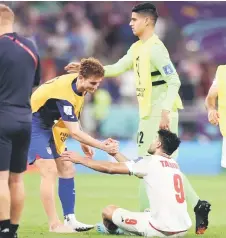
x=85, y=138
x=138, y=168
x=70, y=120
x=100, y=166
x=123, y=65
x=120, y=157
x=106, y=167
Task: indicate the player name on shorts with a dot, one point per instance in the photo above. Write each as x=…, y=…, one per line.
x=169, y=164
x=140, y=92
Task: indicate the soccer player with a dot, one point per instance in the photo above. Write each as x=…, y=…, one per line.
x=164, y=188
x=157, y=85
x=20, y=71
x=218, y=116
x=56, y=107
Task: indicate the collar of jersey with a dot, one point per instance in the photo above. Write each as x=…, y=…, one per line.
x=75, y=88
x=13, y=34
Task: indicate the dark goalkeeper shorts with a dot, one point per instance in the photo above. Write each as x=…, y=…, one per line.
x=15, y=134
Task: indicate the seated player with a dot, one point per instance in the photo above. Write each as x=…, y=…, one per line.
x=164, y=188
x=56, y=106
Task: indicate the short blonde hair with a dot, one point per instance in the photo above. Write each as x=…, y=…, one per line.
x=6, y=15
x=91, y=67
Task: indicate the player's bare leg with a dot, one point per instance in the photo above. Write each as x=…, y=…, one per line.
x=108, y=227
x=4, y=201
x=17, y=193
x=66, y=172
x=107, y=218
x=48, y=172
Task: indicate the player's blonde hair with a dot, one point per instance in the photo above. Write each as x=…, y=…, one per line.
x=6, y=15
x=91, y=67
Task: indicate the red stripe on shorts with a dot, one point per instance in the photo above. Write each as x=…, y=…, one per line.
x=166, y=233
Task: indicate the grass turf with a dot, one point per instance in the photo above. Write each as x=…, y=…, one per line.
x=94, y=192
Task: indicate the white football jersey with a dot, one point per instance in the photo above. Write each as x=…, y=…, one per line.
x=165, y=191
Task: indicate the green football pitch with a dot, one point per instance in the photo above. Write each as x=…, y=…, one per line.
x=94, y=192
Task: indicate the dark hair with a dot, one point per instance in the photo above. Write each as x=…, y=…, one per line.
x=146, y=8
x=91, y=67
x=170, y=141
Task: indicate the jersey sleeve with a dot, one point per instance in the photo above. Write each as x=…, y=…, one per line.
x=138, y=167
x=161, y=60
x=66, y=110
x=123, y=65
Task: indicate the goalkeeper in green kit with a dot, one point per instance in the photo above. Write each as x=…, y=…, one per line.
x=157, y=86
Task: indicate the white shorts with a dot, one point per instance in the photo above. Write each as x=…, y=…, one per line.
x=223, y=156
x=138, y=223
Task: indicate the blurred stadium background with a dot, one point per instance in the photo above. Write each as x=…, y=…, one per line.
x=193, y=32
x=195, y=35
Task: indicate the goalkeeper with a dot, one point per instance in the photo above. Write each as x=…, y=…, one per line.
x=157, y=86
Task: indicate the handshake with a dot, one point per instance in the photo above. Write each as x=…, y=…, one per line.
x=111, y=146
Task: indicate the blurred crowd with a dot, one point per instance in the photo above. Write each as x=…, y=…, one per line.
x=68, y=31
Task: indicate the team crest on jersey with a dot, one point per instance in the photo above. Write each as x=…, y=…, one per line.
x=168, y=69
x=49, y=151
x=68, y=110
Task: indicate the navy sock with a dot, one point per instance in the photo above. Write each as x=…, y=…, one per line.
x=66, y=193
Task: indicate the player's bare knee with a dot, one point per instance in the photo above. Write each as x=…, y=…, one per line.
x=47, y=169
x=15, y=178
x=4, y=175
x=108, y=211
x=49, y=173
x=65, y=169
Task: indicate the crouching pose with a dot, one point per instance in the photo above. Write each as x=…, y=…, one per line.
x=56, y=107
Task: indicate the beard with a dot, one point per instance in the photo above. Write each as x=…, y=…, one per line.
x=151, y=151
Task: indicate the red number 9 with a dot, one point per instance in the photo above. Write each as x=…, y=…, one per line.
x=178, y=185
x=130, y=221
